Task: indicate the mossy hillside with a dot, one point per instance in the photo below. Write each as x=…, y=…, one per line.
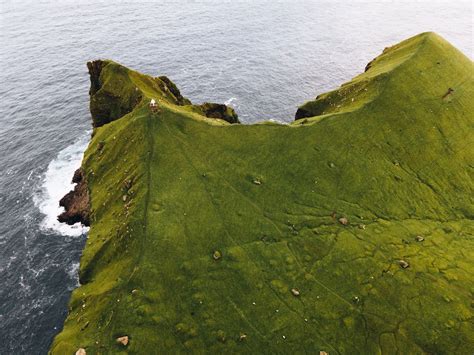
x=117, y=90
x=268, y=198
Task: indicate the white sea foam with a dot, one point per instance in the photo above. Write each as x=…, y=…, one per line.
x=231, y=102
x=56, y=183
x=73, y=272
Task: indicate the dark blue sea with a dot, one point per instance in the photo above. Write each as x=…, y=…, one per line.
x=264, y=58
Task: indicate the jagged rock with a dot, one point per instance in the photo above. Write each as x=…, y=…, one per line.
x=109, y=102
x=78, y=176
x=173, y=89
x=81, y=351
x=95, y=68
x=419, y=238
x=76, y=202
x=369, y=65
x=220, y=111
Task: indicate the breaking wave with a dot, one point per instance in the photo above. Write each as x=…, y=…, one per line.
x=56, y=183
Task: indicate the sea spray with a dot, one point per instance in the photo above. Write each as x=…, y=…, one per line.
x=56, y=183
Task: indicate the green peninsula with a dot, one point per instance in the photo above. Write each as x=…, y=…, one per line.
x=349, y=231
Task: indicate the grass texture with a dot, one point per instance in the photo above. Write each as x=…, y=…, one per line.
x=348, y=231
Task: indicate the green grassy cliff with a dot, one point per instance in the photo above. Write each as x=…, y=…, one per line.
x=349, y=231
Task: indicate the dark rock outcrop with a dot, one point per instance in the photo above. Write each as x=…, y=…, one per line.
x=76, y=202
x=173, y=89
x=220, y=111
x=369, y=65
x=95, y=68
x=301, y=113
x=109, y=102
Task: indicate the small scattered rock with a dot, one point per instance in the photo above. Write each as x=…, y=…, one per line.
x=332, y=165
x=134, y=291
x=124, y=198
x=122, y=340
x=323, y=353
x=257, y=182
x=128, y=184
x=419, y=238
x=81, y=351
x=362, y=226
x=221, y=336
x=242, y=336
x=100, y=146
x=217, y=255
x=449, y=92
x=403, y=264
x=344, y=221
x=355, y=299
x=85, y=325
x=295, y=292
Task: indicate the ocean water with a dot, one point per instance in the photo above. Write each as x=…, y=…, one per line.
x=262, y=57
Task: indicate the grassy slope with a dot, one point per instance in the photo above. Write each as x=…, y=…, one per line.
x=398, y=159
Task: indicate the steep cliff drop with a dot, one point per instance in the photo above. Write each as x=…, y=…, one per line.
x=349, y=231
x=76, y=203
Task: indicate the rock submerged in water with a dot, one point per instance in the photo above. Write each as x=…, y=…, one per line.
x=76, y=202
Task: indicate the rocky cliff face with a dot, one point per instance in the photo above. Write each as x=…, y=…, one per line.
x=113, y=99
x=220, y=111
x=110, y=101
x=349, y=231
x=76, y=203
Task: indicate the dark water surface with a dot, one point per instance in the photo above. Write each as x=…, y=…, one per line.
x=263, y=58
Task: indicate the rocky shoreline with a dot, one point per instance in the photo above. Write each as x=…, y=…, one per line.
x=76, y=202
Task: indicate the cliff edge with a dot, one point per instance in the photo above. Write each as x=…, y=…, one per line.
x=349, y=231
